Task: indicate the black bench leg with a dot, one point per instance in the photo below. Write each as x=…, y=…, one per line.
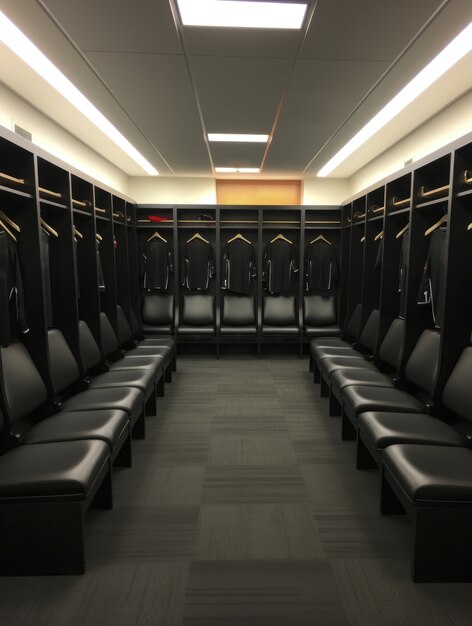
x=334, y=406
x=364, y=459
x=442, y=545
x=389, y=503
x=174, y=364
x=43, y=539
x=324, y=387
x=316, y=373
x=103, y=499
x=311, y=363
x=124, y=458
x=348, y=432
x=139, y=428
x=168, y=374
x=151, y=404
x=160, y=387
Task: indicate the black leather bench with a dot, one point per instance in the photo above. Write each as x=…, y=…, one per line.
x=319, y=316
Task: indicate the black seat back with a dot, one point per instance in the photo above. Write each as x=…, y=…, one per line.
x=238, y=310
x=110, y=341
x=158, y=309
x=135, y=325
x=370, y=332
x=422, y=366
x=124, y=329
x=354, y=323
x=63, y=368
x=23, y=388
x=319, y=310
x=89, y=350
x=280, y=311
x=198, y=310
x=391, y=348
x=457, y=393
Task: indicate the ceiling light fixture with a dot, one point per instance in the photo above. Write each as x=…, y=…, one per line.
x=18, y=43
x=239, y=14
x=238, y=137
x=237, y=170
x=449, y=56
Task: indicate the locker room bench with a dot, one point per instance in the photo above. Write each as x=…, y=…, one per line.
x=420, y=373
x=347, y=359
x=197, y=316
x=280, y=316
x=157, y=314
x=319, y=316
x=238, y=315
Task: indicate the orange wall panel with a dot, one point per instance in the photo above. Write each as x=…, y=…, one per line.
x=259, y=192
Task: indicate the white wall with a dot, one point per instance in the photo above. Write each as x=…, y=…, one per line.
x=448, y=125
x=167, y=190
x=58, y=142
x=325, y=190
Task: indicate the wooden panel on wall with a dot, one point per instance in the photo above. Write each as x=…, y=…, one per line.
x=259, y=192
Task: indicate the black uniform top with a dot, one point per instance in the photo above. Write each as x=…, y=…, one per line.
x=12, y=300
x=403, y=271
x=46, y=276
x=321, y=267
x=279, y=265
x=197, y=265
x=238, y=266
x=101, y=278
x=433, y=282
x=158, y=264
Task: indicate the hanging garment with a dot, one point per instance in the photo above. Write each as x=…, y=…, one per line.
x=46, y=277
x=238, y=266
x=403, y=271
x=101, y=278
x=12, y=299
x=433, y=281
x=279, y=266
x=76, y=268
x=157, y=265
x=321, y=267
x=378, y=257
x=197, y=265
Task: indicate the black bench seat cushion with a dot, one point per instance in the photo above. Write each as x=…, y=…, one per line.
x=321, y=352
x=151, y=351
x=127, y=399
x=359, y=399
x=330, y=365
x=238, y=330
x=328, y=341
x=141, y=378
x=68, y=468
x=371, y=377
x=108, y=426
x=386, y=429
x=279, y=330
x=431, y=473
x=162, y=329
x=196, y=330
x=137, y=363
x=158, y=341
x=322, y=331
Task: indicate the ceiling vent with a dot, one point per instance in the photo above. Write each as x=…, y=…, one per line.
x=23, y=133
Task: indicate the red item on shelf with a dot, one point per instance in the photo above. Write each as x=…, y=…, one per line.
x=158, y=218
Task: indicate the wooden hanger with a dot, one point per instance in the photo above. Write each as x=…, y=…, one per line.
x=197, y=236
x=7, y=230
x=78, y=233
x=403, y=231
x=98, y=237
x=469, y=227
x=379, y=235
x=10, y=222
x=467, y=177
x=280, y=236
x=238, y=236
x=363, y=239
x=157, y=236
x=436, y=225
x=320, y=238
x=48, y=228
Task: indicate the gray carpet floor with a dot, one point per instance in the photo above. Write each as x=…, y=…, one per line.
x=243, y=507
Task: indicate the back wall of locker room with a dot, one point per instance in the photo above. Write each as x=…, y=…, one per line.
x=81, y=249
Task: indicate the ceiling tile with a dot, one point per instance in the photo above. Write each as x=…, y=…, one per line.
x=156, y=92
x=237, y=154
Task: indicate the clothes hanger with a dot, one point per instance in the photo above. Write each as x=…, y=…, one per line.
x=468, y=177
x=435, y=226
x=320, y=238
x=363, y=239
x=197, y=236
x=7, y=230
x=238, y=236
x=98, y=237
x=48, y=228
x=379, y=235
x=403, y=231
x=10, y=222
x=280, y=236
x=469, y=227
x=157, y=236
x=78, y=233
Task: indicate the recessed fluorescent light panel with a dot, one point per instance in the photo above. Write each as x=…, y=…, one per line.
x=18, y=43
x=237, y=170
x=238, y=137
x=452, y=53
x=235, y=14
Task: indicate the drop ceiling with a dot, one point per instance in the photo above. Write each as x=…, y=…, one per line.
x=165, y=86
